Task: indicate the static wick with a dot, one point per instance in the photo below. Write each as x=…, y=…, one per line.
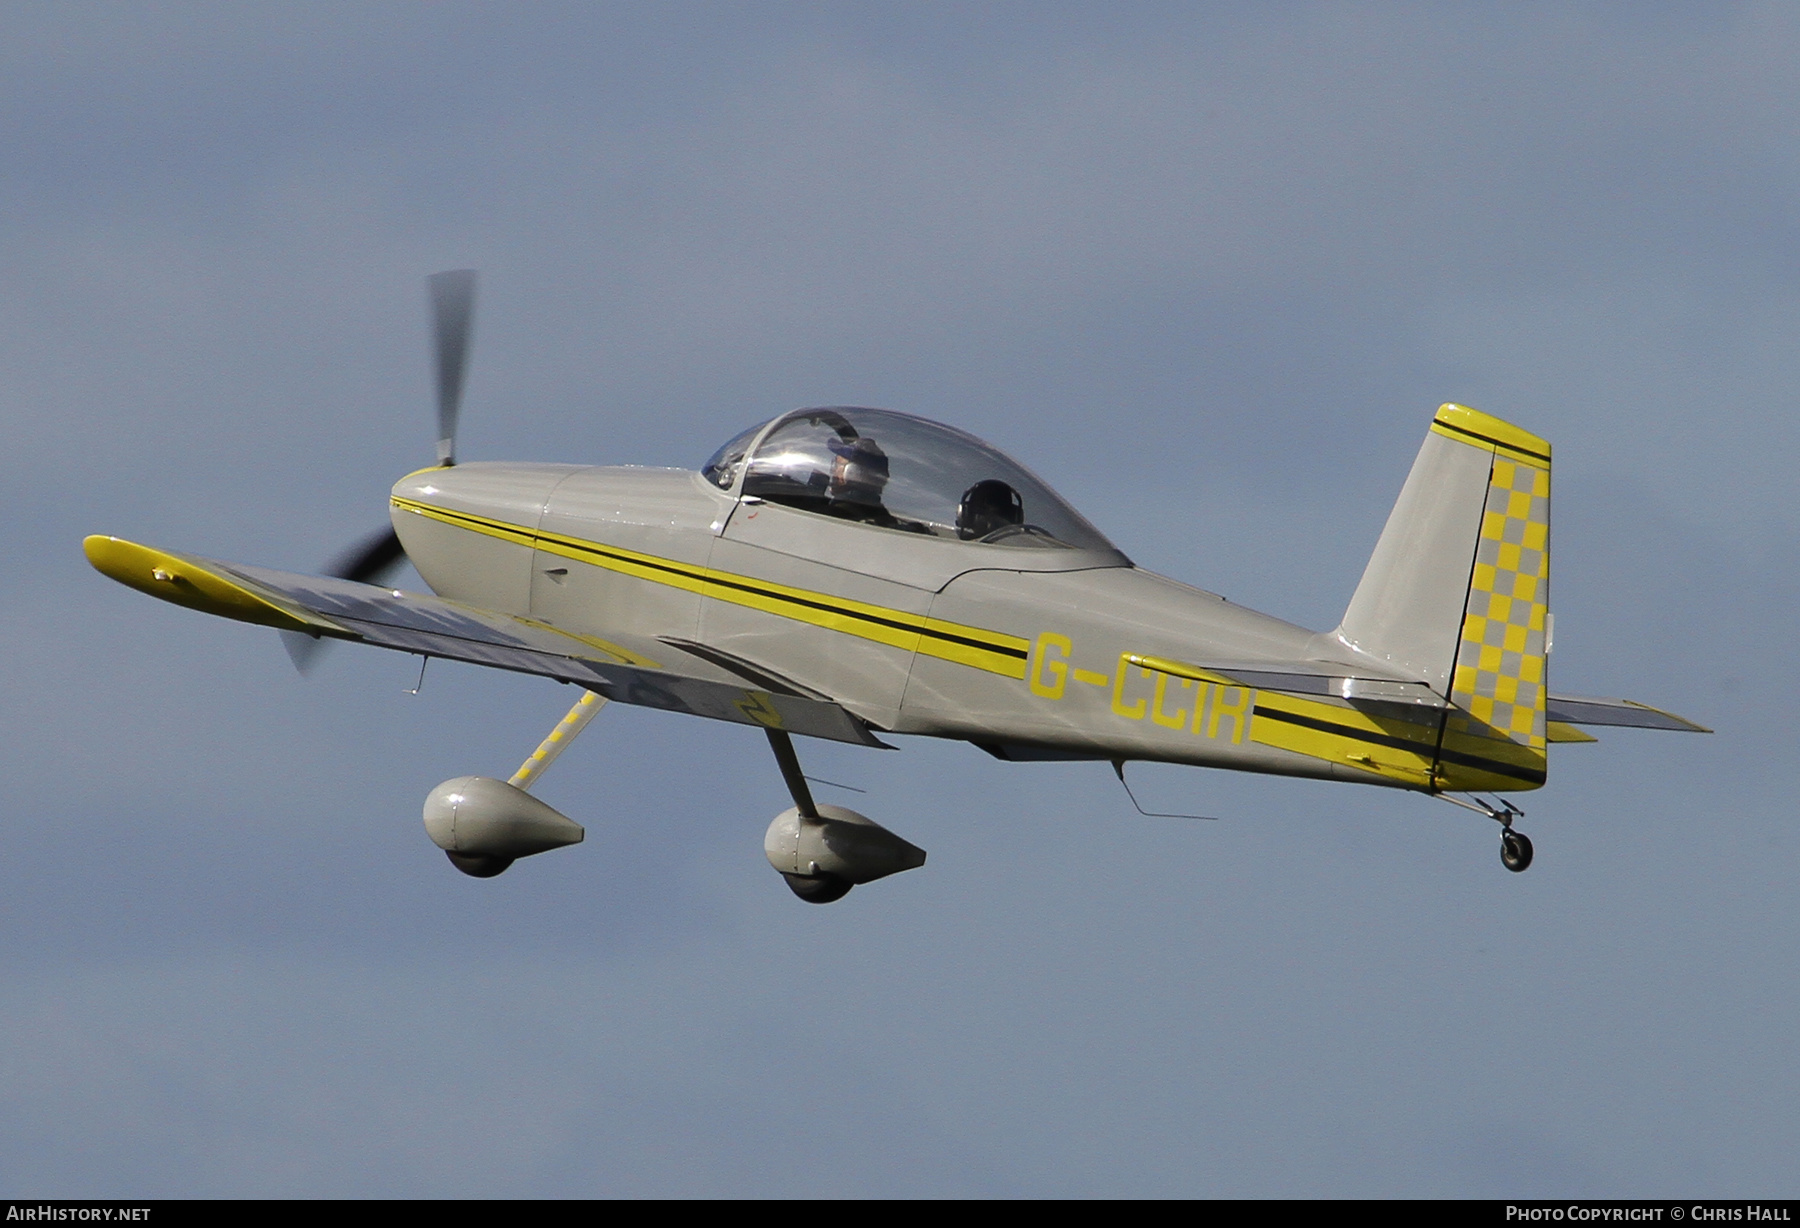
x=1118, y=766
x=423, y=662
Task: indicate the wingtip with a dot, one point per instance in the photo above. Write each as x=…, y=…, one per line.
x=96, y=546
x=1687, y=725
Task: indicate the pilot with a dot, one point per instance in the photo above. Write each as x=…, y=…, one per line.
x=859, y=473
x=987, y=507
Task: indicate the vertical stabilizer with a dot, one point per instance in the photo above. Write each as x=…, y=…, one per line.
x=1457, y=590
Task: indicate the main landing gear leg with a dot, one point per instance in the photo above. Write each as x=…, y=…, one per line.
x=820, y=888
x=1515, y=846
x=484, y=826
x=586, y=709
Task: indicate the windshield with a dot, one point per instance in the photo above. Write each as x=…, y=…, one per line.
x=895, y=471
x=722, y=469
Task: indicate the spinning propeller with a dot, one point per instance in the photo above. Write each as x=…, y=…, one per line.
x=452, y=322
x=370, y=561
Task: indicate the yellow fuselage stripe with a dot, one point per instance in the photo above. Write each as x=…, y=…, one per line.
x=976, y=647
x=1406, y=750
x=1411, y=751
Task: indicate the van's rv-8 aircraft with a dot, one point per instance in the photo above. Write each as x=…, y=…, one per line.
x=845, y=573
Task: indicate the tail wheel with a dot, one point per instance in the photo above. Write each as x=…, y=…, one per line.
x=1515, y=850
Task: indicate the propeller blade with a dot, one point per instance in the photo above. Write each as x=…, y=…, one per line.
x=453, y=321
x=303, y=650
x=369, y=559
x=452, y=297
x=368, y=562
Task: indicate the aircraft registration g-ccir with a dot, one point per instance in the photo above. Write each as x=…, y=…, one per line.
x=845, y=573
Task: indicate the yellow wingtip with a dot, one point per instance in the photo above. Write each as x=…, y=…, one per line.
x=191, y=582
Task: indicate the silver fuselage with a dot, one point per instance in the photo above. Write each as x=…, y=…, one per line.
x=1019, y=650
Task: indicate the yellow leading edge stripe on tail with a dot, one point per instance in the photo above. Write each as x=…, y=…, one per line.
x=1486, y=431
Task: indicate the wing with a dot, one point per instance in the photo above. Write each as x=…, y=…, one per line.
x=631, y=669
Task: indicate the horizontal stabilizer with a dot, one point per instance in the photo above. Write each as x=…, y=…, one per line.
x=620, y=668
x=1300, y=678
x=1590, y=710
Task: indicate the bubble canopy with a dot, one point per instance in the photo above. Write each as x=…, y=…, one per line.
x=899, y=472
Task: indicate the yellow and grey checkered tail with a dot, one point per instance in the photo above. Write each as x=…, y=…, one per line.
x=1499, y=677
x=1455, y=596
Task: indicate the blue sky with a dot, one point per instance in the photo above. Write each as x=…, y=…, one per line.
x=1208, y=269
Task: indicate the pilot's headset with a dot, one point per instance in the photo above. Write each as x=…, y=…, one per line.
x=986, y=507
x=859, y=471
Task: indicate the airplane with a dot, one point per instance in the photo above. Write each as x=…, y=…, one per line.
x=847, y=573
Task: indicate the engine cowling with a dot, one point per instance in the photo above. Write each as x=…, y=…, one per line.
x=485, y=824
x=823, y=857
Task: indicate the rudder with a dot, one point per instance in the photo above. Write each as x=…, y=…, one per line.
x=1457, y=594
